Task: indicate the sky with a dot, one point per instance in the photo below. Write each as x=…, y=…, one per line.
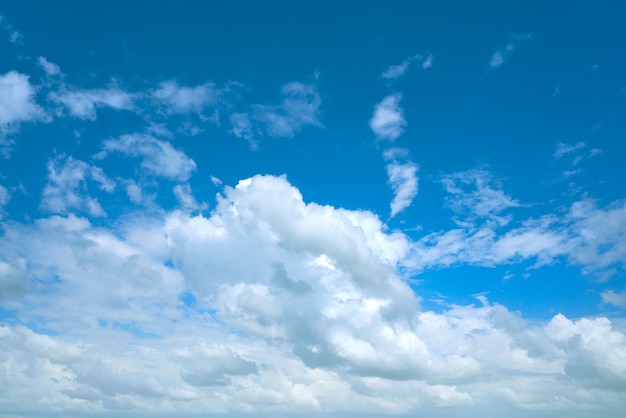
x=332, y=209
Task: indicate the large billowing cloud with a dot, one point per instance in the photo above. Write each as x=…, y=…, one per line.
x=274, y=306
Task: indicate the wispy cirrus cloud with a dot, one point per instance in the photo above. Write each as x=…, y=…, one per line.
x=50, y=68
x=476, y=194
x=501, y=56
x=424, y=61
x=300, y=107
x=388, y=121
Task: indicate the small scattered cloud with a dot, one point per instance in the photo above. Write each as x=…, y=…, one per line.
x=396, y=71
x=476, y=194
x=242, y=126
x=402, y=177
x=182, y=99
x=614, y=298
x=67, y=187
x=186, y=198
x=17, y=105
x=82, y=104
x=563, y=148
x=50, y=68
x=5, y=196
x=216, y=181
x=300, y=107
x=158, y=157
x=502, y=55
x=388, y=121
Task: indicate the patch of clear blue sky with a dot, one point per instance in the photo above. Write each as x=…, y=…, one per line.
x=565, y=84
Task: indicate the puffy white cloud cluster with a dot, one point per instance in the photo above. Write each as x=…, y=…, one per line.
x=274, y=306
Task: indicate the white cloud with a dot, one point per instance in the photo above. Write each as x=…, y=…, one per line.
x=563, y=149
x=17, y=103
x=397, y=71
x=50, y=68
x=296, y=309
x=501, y=56
x=614, y=298
x=159, y=157
x=402, y=177
x=477, y=194
x=186, y=198
x=67, y=184
x=388, y=120
x=182, y=99
x=83, y=103
x=299, y=108
x=5, y=196
x=242, y=126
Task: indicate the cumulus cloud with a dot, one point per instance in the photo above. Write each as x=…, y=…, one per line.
x=402, y=177
x=158, y=157
x=388, y=120
x=83, y=103
x=67, y=185
x=315, y=321
x=17, y=104
x=182, y=99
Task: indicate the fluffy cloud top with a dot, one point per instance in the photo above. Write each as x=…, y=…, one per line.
x=315, y=321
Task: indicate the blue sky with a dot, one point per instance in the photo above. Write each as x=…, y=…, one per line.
x=279, y=209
